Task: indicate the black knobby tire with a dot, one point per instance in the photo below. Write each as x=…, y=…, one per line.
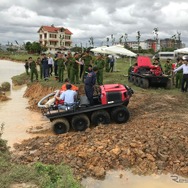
x=80, y=122
x=138, y=80
x=168, y=84
x=130, y=79
x=134, y=80
x=100, y=117
x=120, y=114
x=60, y=126
x=144, y=83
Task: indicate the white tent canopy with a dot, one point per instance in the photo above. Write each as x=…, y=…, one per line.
x=100, y=50
x=117, y=49
x=181, y=51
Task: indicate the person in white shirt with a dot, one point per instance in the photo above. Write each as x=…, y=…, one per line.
x=50, y=64
x=184, y=67
x=68, y=96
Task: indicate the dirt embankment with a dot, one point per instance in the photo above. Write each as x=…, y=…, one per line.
x=155, y=140
x=35, y=93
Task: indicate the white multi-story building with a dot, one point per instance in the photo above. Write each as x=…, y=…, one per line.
x=55, y=38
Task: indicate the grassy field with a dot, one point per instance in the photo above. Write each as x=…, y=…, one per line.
x=16, y=56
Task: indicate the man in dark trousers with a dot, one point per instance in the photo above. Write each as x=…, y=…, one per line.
x=89, y=84
x=44, y=63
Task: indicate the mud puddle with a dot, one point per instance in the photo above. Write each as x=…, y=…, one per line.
x=122, y=179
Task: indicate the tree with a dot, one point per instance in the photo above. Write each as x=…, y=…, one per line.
x=28, y=46
x=113, y=39
x=138, y=39
x=156, y=37
x=34, y=47
x=107, y=41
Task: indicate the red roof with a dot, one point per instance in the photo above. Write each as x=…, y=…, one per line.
x=68, y=32
x=53, y=29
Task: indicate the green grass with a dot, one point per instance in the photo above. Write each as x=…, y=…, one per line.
x=44, y=176
x=17, y=56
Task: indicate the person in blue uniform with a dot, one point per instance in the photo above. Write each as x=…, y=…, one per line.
x=89, y=84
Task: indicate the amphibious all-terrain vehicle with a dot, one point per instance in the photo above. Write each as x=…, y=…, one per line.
x=144, y=74
x=110, y=103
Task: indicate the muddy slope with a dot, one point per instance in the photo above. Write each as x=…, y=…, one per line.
x=35, y=93
x=155, y=140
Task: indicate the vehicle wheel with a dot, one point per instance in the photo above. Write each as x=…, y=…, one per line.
x=60, y=126
x=130, y=79
x=168, y=84
x=120, y=114
x=100, y=117
x=144, y=83
x=137, y=81
x=80, y=122
x=134, y=80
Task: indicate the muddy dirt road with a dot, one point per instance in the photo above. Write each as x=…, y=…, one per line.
x=155, y=140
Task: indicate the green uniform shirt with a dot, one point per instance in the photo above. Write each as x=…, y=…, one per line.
x=70, y=61
x=60, y=63
x=87, y=60
x=74, y=64
x=32, y=65
x=168, y=68
x=100, y=63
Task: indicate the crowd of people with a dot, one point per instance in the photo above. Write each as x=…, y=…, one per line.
x=76, y=65
x=84, y=68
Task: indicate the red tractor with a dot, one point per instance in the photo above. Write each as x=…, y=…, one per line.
x=144, y=74
x=110, y=104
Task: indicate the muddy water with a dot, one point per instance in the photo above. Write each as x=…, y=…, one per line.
x=15, y=116
x=123, y=179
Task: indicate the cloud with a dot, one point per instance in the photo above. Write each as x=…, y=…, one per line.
x=20, y=20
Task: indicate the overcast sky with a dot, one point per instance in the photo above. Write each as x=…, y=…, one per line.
x=21, y=19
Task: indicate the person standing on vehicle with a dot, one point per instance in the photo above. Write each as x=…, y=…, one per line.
x=44, y=63
x=33, y=68
x=100, y=63
x=90, y=81
x=184, y=67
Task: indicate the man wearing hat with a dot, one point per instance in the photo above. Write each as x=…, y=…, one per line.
x=184, y=67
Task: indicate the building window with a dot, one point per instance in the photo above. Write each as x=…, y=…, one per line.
x=53, y=36
x=45, y=35
x=67, y=37
x=40, y=36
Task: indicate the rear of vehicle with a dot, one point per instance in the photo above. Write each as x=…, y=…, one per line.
x=145, y=74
